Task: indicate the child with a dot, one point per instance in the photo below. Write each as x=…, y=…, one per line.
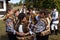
x=41, y=27
x=55, y=21
x=9, y=24
x=23, y=28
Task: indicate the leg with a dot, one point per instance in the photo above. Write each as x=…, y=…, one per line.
x=38, y=37
x=9, y=36
x=14, y=37
x=45, y=37
x=52, y=28
x=56, y=29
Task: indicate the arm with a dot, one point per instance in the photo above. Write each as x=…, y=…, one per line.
x=20, y=33
x=46, y=32
x=27, y=33
x=4, y=17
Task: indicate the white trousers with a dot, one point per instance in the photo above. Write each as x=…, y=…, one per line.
x=54, y=27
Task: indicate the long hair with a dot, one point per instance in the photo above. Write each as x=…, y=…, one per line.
x=20, y=17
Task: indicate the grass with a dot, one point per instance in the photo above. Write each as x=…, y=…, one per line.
x=17, y=7
x=3, y=34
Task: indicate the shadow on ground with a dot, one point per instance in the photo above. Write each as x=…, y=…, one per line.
x=4, y=37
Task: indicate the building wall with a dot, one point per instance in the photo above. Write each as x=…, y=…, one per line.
x=5, y=7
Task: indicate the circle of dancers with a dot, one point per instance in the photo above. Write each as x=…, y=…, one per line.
x=31, y=24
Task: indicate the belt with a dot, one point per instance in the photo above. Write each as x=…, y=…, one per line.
x=54, y=19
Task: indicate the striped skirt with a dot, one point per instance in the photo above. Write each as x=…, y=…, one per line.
x=30, y=37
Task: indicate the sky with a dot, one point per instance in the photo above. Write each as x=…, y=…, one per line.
x=14, y=1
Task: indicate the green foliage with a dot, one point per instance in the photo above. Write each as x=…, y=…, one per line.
x=43, y=4
x=40, y=4
x=20, y=3
x=57, y=3
x=16, y=4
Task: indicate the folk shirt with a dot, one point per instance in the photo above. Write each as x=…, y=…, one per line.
x=40, y=26
x=10, y=26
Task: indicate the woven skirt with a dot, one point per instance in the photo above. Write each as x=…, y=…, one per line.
x=30, y=37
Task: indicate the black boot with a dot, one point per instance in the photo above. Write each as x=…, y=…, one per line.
x=52, y=32
x=56, y=32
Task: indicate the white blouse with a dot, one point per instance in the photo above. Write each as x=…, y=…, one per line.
x=20, y=28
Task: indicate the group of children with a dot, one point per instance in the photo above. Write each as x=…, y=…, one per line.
x=30, y=25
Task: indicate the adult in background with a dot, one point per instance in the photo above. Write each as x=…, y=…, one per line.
x=55, y=21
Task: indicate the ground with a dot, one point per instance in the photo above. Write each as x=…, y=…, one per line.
x=3, y=34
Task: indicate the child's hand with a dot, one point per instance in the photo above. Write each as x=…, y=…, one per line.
x=27, y=33
x=42, y=34
x=22, y=34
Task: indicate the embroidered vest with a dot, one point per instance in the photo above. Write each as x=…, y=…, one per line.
x=24, y=28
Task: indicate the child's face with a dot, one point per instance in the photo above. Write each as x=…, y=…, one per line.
x=17, y=13
x=10, y=12
x=42, y=15
x=31, y=12
x=24, y=19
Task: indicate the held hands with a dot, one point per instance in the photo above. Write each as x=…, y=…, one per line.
x=22, y=34
x=42, y=34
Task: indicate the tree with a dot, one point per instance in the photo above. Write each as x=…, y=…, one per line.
x=43, y=4
x=20, y=3
x=57, y=3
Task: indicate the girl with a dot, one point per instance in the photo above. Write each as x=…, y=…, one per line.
x=42, y=28
x=23, y=28
x=9, y=24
